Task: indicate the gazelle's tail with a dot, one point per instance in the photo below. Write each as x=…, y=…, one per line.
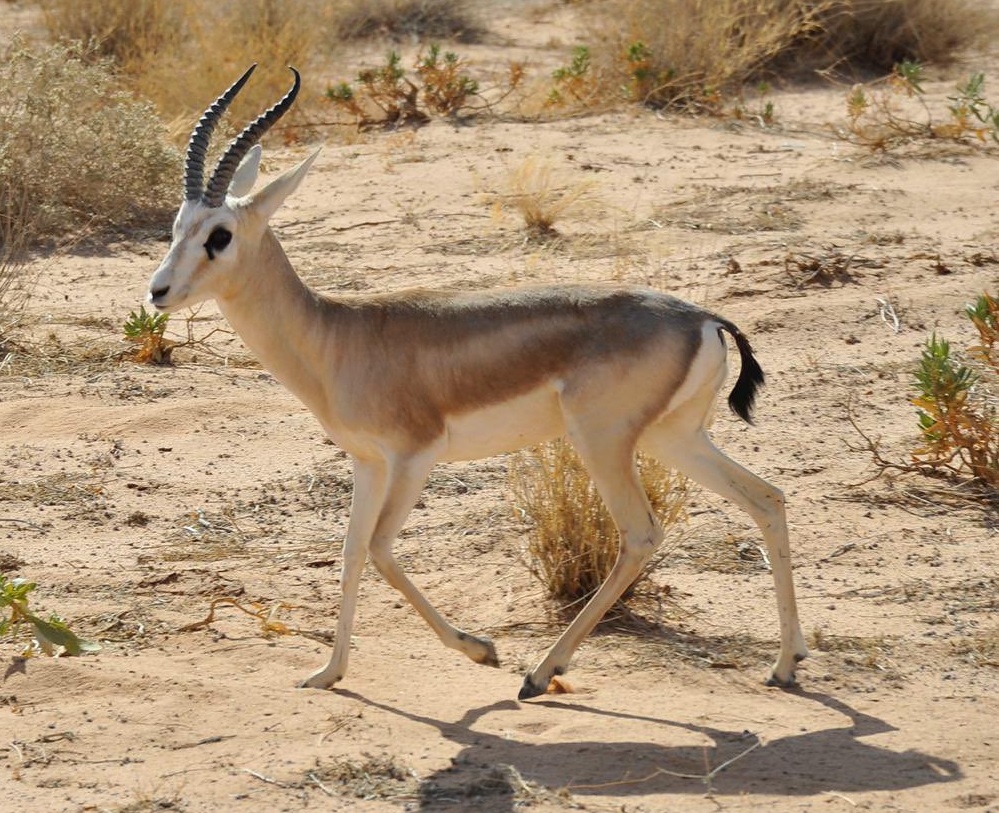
x=751, y=376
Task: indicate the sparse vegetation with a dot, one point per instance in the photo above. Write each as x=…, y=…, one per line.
x=406, y=20
x=709, y=51
x=892, y=112
x=160, y=48
x=572, y=540
x=16, y=226
x=955, y=407
x=865, y=653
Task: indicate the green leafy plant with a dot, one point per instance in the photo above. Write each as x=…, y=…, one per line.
x=146, y=331
x=956, y=401
x=51, y=636
x=971, y=112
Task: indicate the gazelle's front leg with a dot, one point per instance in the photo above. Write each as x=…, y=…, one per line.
x=406, y=478
x=365, y=507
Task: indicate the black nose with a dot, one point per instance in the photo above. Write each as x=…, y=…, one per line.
x=159, y=293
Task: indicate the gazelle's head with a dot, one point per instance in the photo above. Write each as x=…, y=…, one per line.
x=217, y=232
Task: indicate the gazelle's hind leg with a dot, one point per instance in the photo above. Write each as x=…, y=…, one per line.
x=610, y=460
x=691, y=451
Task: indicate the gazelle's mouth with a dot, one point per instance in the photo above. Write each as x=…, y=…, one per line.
x=161, y=301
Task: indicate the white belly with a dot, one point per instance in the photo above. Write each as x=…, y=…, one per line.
x=526, y=420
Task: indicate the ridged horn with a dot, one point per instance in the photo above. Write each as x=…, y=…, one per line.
x=218, y=185
x=197, y=147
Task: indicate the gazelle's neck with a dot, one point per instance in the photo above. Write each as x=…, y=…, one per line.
x=279, y=319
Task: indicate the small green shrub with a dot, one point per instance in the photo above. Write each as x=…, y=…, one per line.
x=51, y=636
x=956, y=401
x=386, y=96
x=145, y=331
x=892, y=112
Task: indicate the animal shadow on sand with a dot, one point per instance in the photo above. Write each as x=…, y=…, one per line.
x=496, y=773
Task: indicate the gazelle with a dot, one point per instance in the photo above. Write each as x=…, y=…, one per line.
x=403, y=380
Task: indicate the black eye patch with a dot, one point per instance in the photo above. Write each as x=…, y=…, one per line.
x=217, y=241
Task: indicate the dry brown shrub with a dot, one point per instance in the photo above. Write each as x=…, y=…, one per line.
x=876, y=35
x=125, y=31
x=572, y=540
x=16, y=228
x=77, y=153
x=421, y=20
x=683, y=53
x=181, y=54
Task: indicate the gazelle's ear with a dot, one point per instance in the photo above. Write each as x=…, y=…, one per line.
x=266, y=201
x=245, y=175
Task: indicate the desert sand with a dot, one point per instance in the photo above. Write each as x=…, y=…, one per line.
x=137, y=495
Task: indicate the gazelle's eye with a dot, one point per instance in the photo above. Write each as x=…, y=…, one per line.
x=217, y=240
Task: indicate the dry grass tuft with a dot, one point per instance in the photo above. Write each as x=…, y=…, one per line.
x=372, y=777
x=16, y=280
x=572, y=540
x=870, y=652
x=980, y=648
x=542, y=199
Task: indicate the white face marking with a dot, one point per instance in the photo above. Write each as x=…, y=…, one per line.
x=202, y=247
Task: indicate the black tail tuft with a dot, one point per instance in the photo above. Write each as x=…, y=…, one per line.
x=750, y=379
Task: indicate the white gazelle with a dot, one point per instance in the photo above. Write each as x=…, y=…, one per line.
x=403, y=380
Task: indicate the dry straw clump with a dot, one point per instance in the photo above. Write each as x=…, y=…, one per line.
x=572, y=540
x=542, y=197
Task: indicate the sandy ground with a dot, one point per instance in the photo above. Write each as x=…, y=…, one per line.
x=136, y=495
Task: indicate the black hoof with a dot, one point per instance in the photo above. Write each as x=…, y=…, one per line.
x=491, y=658
x=529, y=689
x=773, y=680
